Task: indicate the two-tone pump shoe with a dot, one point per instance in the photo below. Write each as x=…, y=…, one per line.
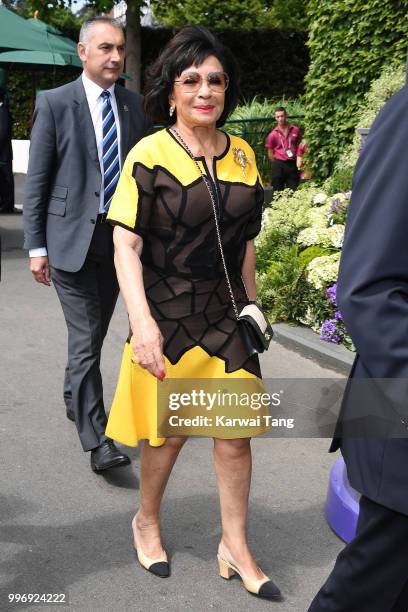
x=264, y=587
x=159, y=567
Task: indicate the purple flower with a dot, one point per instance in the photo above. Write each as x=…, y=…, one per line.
x=335, y=206
x=338, y=207
x=331, y=293
x=329, y=332
x=338, y=316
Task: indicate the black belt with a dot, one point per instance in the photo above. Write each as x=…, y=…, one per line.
x=101, y=218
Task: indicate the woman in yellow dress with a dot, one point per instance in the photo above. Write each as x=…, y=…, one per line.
x=172, y=278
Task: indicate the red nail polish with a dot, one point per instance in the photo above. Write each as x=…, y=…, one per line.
x=162, y=375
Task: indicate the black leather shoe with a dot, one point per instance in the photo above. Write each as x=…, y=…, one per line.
x=107, y=456
x=71, y=415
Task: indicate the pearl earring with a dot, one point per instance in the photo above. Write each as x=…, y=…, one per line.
x=171, y=110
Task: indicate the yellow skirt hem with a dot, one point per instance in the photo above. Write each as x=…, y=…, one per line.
x=134, y=414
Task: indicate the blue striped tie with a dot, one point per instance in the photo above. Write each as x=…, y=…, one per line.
x=110, y=151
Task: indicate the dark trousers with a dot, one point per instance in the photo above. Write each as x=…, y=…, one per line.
x=6, y=186
x=88, y=299
x=371, y=572
x=284, y=175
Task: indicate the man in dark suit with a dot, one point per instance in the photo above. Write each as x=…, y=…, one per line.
x=81, y=135
x=371, y=573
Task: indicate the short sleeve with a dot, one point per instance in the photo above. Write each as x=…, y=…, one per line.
x=298, y=139
x=255, y=222
x=132, y=202
x=301, y=149
x=269, y=141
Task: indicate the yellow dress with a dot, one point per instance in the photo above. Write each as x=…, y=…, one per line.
x=162, y=197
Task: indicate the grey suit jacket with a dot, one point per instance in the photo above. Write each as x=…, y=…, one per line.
x=61, y=199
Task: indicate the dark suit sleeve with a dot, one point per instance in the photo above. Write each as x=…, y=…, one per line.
x=373, y=280
x=5, y=122
x=39, y=174
x=148, y=126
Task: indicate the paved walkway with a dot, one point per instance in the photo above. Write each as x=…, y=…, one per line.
x=65, y=530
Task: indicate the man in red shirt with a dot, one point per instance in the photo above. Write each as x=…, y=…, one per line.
x=282, y=145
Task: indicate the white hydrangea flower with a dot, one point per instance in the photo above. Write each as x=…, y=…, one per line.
x=318, y=217
x=313, y=235
x=266, y=217
x=324, y=236
x=309, y=319
x=324, y=270
x=342, y=196
x=336, y=233
x=319, y=198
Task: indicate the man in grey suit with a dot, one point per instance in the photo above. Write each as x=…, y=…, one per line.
x=81, y=135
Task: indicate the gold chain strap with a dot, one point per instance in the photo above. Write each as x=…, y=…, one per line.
x=217, y=228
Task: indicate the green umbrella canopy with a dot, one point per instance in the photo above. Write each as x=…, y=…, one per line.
x=32, y=41
x=41, y=57
x=19, y=33
x=41, y=25
x=44, y=57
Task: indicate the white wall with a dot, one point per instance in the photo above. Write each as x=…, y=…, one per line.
x=20, y=156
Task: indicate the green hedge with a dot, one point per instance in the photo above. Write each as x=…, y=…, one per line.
x=391, y=79
x=349, y=41
x=22, y=85
x=273, y=64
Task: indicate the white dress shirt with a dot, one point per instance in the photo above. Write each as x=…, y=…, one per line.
x=94, y=98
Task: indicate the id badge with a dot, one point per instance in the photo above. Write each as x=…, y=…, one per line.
x=289, y=153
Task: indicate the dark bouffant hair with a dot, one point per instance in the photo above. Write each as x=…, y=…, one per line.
x=189, y=47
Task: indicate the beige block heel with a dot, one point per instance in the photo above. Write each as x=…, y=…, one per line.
x=225, y=568
x=264, y=587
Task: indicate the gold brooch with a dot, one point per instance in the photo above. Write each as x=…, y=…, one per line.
x=241, y=159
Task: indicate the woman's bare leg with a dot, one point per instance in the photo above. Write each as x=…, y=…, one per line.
x=156, y=464
x=233, y=466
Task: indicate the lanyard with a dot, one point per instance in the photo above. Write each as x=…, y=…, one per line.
x=281, y=139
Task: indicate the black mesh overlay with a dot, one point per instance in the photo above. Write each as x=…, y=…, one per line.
x=178, y=228
x=198, y=313
x=183, y=274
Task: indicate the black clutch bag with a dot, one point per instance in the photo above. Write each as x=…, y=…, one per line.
x=254, y=328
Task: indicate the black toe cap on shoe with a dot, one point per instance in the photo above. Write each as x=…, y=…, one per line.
x=161, y=569
x=269, y=590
